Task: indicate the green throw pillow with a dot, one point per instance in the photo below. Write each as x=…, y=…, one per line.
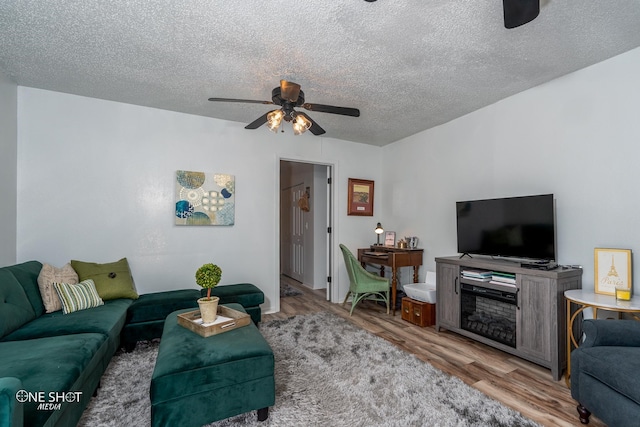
x=113, y=280
x=76, y=297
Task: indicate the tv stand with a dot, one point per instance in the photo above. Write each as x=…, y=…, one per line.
x=539, y=311
x=465, y=254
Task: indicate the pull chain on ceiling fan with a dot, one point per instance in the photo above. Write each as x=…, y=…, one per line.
x=288, y=95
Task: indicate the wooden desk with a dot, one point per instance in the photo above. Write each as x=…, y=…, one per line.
x=387, y=256
x=589, y=299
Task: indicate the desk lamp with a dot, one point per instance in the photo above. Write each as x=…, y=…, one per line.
x=379, y=230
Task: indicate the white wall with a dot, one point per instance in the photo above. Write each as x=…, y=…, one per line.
x=95, y=183
x=8, y=169
x=95, y=179
x=577, y=137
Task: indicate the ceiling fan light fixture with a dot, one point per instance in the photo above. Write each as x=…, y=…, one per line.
x=288, y=95
x=301, y=124
x=274, y=118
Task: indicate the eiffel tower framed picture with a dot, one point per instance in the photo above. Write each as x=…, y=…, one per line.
x=612, y=270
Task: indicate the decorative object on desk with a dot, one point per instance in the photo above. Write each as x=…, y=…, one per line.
x=379, y=230
x=390, y=238
x=360, y=197
x=412, y=242
x=612, y=269
x=402, y=244
x=204, y=198
x=208, y=276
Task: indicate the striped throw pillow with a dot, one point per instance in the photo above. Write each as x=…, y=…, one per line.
x=78, y=297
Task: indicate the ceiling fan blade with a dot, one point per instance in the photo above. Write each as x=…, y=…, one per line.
x=344, y=111
x=257, y=122
x=519, y=12
x=315, y=128
x=247, y=101
x=289, y=90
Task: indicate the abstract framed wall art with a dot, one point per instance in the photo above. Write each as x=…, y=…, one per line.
x=204, y=198
x=360, y=193
x=612, y=269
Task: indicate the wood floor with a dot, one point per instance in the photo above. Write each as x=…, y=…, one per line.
x=521, y=385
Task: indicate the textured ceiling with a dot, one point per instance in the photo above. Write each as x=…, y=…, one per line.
x=408, y=65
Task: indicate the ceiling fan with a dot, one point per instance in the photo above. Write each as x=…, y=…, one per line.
x=520, y=12
x=288, y=95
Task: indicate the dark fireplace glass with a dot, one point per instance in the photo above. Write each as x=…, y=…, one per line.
x=489, y=318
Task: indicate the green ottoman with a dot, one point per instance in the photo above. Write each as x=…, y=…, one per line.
x=200, y=380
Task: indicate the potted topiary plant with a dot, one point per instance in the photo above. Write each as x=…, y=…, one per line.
x=208, y=276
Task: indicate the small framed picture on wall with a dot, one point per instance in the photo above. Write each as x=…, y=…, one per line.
x=360, y=197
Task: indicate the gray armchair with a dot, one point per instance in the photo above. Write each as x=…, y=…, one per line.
x=605, y=372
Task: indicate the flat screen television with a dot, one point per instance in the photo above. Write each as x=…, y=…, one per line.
x=514, y=227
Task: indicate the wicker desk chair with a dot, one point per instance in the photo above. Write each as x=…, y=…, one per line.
x=362, y=284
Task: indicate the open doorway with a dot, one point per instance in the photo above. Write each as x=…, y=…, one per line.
x=305, y=227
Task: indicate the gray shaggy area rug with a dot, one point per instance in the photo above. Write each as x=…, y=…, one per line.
x=328, y=373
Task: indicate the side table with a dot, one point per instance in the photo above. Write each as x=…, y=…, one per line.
x=589, y=299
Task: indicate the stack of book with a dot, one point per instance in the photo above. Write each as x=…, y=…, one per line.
x=507, y=279
x=481, y=276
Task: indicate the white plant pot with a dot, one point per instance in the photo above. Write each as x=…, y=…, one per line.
x=208, y=309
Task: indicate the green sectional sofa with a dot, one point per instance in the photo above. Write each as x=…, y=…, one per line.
x=51, y=363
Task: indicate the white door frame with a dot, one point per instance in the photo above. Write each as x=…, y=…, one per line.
x=331, y=167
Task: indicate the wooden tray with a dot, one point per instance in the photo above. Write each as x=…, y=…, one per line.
x=236, y=320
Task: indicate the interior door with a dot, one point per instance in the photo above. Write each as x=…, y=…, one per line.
x=296, y=234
